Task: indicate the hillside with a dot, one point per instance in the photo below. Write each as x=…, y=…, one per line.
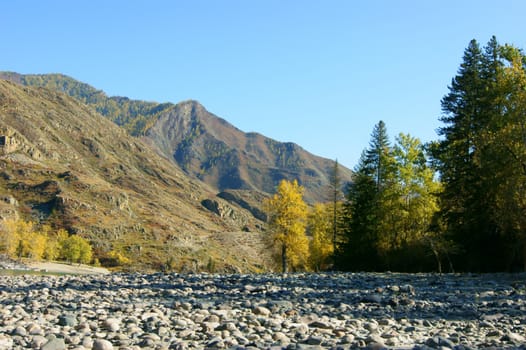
x=202, y=144
x=64, y=164
x=224, y=157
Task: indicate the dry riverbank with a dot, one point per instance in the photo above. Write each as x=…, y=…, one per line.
x=57, y=267
x=297, y=311
x=49, y=267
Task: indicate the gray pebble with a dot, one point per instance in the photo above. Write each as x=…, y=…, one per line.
x=20, y=331
x=68, y=320
x=102, y=344
x=54, y=344
x=294, y=311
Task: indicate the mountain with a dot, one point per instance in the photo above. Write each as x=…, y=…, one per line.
x=202, y=144
x=224, y=157
x=63, y=164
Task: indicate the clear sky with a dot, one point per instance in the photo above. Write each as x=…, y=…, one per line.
x=317, y=73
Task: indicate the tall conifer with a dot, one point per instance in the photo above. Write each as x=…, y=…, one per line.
x=472, y=164
x=365, y=205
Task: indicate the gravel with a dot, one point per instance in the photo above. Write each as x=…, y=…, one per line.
x=267, y=311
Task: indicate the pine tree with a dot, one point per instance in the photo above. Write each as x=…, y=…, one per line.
x=456, y=151
x=358, y=251
x=367, y=205
x=378, y=156
x=472, y=160
x=335, y=184
x=390, y=208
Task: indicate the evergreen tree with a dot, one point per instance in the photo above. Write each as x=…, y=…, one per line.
x=368, y=204
x=378, y=156
x=335, y=184
x=472, y=158
x=457, y=150
x=390, y=208
x=358, y=252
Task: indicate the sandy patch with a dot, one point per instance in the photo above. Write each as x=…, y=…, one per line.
x=67, y=268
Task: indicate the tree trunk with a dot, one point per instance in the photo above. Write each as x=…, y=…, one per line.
x=436, y=253
x=284, y=264
x=451, y=269
x=334, y=223
x=439, y=263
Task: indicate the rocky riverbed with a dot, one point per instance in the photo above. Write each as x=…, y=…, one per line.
x=296, y=311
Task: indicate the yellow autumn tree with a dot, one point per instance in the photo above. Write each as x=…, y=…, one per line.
x=75, y=249
x=8, y=237
x=287, y=213
x=37, y=242
x=22, y=239
x=321, y=229
x=55, y=239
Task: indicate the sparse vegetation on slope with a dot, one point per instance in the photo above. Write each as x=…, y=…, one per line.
x=204, y=145
x=63, y=164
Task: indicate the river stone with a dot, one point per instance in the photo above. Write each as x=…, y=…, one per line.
x=515, y=338
x=5, y=342
x=34, y=329
x=20, y=331
x=54, y=344
x=261, y=310
x=102, y=344
x=407, y=288
x=281, y=338
x=371, y=326
x=170, y=311
x=376, y=346
x=394, y=289
x=37, y=341
x=320, y=324
x=373, y=299
x=112, y=324
x=314, y=340
x=216, y=342
x=67, y=320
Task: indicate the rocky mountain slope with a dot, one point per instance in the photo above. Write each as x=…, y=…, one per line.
x=224, y=157
x=202, y=144
x=64, y=164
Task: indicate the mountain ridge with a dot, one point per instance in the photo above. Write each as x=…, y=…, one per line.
x=202, y=144
x=65, y=165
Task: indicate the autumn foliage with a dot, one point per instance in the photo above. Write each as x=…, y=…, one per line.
x=320, y=227
x=24, y=239
x=287, y=214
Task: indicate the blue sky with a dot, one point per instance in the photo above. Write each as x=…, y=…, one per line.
x=317, y=73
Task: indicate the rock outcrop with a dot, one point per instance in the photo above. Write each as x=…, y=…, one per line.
x=65, y=165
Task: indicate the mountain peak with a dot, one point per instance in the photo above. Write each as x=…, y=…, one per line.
x=64, y=165
x=203, y=144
